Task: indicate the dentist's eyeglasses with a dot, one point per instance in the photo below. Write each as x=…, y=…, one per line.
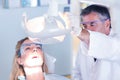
x=28, y=47
x=91, y=23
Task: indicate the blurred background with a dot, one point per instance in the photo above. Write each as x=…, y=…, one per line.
x=65, y=52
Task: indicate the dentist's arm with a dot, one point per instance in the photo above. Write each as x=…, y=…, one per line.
x=73, y=22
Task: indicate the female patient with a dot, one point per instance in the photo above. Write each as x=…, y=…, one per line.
x=29, y=62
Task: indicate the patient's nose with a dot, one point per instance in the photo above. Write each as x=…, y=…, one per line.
x=35, y=49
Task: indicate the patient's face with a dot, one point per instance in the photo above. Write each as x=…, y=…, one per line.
x=31, y=54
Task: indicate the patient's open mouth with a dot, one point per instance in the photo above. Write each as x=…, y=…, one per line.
x=34, y=57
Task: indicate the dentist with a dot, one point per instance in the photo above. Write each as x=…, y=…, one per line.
x=98, y=57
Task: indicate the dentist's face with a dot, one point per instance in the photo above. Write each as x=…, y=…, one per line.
x=31, y=54
x=93, y=22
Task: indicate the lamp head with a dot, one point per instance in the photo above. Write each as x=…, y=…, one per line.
x=47, y=29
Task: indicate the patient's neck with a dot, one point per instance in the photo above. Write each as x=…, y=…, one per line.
x=34, y=73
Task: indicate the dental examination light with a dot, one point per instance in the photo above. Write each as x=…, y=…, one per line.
x=49, y=28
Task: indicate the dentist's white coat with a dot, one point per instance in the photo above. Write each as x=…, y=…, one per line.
x=107, y=51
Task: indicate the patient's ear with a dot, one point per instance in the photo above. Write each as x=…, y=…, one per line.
x=19, y=61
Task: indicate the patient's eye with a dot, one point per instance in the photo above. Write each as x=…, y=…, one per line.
x=27, y=48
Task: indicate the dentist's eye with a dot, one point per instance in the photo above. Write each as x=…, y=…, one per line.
x=92, y=24
x=84, y=25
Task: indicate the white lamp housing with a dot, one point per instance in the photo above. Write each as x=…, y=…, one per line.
x=49, y=28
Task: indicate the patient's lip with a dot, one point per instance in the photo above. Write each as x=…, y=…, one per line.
x=34, y=57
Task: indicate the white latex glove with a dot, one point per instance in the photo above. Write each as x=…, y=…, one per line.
x=72, y=21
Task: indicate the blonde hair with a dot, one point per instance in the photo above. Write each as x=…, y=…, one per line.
x=17, y=69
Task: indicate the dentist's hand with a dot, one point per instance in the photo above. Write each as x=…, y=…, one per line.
x=72, y=22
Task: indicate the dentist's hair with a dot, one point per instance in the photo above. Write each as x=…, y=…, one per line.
x=101, y=10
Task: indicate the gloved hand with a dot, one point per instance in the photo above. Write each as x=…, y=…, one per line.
x=72, y=21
